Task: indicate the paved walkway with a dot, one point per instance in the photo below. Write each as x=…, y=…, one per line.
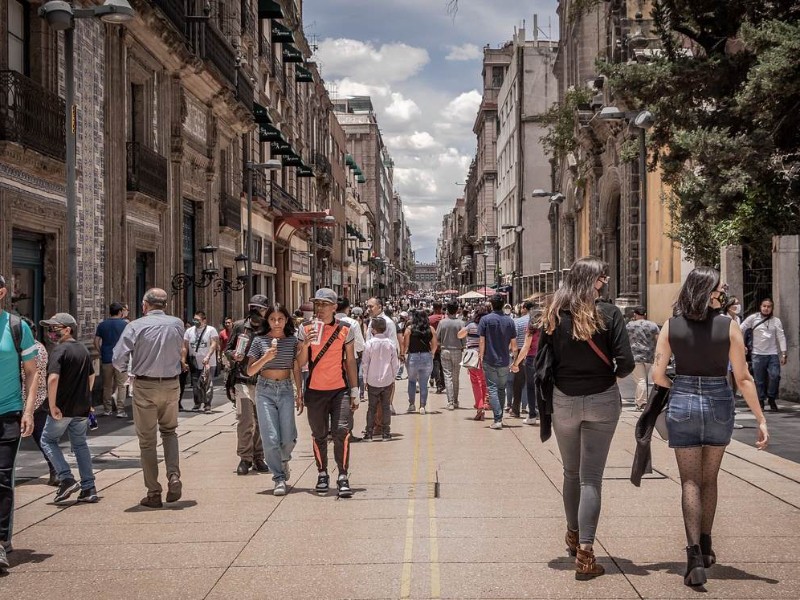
x=447, y=509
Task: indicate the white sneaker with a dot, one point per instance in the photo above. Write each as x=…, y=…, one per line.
x=287, y=471
x=496, y=425
x=280, y=488
x=451, y=406
x=531, y=421
x=422, y=410
x=106, y=413
x=122, y=414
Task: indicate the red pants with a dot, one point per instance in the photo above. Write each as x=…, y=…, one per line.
x=479, y=389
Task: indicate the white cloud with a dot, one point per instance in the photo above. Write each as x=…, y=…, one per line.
x=402, y=109
x=464, y=52
x=415, y=182
x=349, y=87
x=363, y=61
x=419, y=140
x=464, y=108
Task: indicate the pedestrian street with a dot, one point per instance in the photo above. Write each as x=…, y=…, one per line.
x=447, y=509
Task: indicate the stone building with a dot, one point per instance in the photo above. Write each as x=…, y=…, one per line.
x=425, y=276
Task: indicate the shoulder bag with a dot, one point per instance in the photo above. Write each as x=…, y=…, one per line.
x=469, y=360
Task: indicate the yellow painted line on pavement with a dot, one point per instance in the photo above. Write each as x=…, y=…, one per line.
x=434, y=536
x=408, y=552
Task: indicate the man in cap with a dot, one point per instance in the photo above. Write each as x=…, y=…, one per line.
x=17, y=353
x=70, y=376
x=241, y=388
x=332, y=392
x=154, y=344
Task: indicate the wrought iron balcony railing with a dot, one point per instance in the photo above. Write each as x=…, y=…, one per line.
x=218, y=51
x=31, y=116
x=147, y=171
x=321, y=164
x=278, y=73
x=282, y=200
x=230, y=211
x=324, y=238
x=244, y=90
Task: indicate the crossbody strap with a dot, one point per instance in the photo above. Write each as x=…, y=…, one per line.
x=199, y=339
x=313, y=363
x=599, y=353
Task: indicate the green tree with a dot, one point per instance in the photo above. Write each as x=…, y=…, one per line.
x=725, y=91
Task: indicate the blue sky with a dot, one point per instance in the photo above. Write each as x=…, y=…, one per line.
x=422, y=67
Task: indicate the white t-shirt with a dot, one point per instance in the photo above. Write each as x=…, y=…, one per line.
x=191, y=338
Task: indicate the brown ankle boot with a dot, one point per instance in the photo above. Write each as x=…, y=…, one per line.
x=571, y=540
x=586, y=566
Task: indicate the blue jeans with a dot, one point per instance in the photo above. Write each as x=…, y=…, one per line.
x=530, y=384
x=76, y=428
x=275, y=408
x=496, y=382
x=420, y=367
x=700, y=412
x=509, y=391
x=767, y=373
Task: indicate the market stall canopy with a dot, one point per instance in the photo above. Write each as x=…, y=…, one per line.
x=471, y=296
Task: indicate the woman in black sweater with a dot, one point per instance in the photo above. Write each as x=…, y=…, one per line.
x=590, y=351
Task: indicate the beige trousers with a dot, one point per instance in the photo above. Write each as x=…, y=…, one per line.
x=113, y=380
x=155, y=409
x=641, y=375
x=248, y=438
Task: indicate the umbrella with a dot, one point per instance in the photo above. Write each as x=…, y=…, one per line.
x=471, y=296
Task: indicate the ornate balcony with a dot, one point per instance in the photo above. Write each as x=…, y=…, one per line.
x=31, y=116
x=217, y=50
x=244, y=90
x=324, y=238
x=175, y=11
x=282, y=200
x=147, y=171
x=321, y=164
x=278, y=73
x=230, y=211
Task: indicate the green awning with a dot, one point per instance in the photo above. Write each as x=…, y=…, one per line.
x=349, y=160
x=303, y=75
x=291, y=160
x=361, y=179
x=353, y=231
x=358, y=171
x=269, y=9
x=281, y=34
x=280, y=148
x=268, y=133
x=261, y=114
x=292, y=54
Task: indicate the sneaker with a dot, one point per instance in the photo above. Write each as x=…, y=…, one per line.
x=343, y=485
x=3, y=558
x=207, y=409
x=89, y=496
x=422, y=410
x=386, y=437
x=151, y=501
x=106, y=413
x=531, y=421
x=260, y=465
x=287, y=470
x=451, y=406
x=280, y=488
x=524, y=411
x=244, y=467
x=391, y=409
x=66, y=488
x=196, y=408
x=174, y=489
x=367, y=437
x=496, y=425
x=411, y=408
x=323, y=483
x=122, y=415
x=455, y=404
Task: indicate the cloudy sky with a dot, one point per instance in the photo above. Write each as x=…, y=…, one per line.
x=422, y=67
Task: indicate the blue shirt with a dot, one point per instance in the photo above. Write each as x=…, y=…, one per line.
x=498, y=331
x=10, y=387
x=109, y=331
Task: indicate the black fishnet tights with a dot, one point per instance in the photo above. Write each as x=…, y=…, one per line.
x=699, y=468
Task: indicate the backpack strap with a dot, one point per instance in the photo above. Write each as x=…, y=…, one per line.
x=15, y=323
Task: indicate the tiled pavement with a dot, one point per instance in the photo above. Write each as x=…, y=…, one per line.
x=447, y=509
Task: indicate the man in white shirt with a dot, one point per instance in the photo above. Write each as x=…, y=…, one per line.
x=199, y=357
x=767, y=351
x=375, y=309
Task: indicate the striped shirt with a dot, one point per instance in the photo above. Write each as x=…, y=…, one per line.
x=287, y=350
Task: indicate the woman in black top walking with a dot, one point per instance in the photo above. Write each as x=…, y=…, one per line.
x=700, y=410
x=590, y=351
x=418, y=346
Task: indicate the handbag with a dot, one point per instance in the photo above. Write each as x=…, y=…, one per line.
x=469, y=360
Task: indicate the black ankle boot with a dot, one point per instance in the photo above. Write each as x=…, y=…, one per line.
x=709, y=558
x=695, y=571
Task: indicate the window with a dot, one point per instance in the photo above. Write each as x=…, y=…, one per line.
x=497, y=76
x=268, y=253
x=257, y=255
x=18, y=36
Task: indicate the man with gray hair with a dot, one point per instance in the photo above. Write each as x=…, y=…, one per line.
x=154, y=344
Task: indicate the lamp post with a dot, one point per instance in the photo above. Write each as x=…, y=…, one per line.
x=327, y=220
x=556, y=200
x=641, y=121
x=517, y=281
x=250, y=167
x=209, y=274
x=61, y=16
x=485, y=255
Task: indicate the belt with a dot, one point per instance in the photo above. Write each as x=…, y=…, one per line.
x=146, y=378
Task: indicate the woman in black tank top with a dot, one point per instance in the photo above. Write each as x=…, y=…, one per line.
x=701, y=406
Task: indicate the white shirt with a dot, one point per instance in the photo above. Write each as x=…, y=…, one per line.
x=190, y=337
x=355, y=327
x=391, y=331
x=768, y=338
x=380, y=363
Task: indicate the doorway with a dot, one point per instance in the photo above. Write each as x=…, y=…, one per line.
x=27, y=275
x=144, y=277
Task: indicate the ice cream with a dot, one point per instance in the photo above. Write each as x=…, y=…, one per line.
x=274, y=342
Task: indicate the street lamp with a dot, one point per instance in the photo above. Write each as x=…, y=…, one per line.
x=61, y=16
x=209, y=274
x=327, y=220
x=250, y=167
x=485, y=255
x=556, y=200
x=642, y=121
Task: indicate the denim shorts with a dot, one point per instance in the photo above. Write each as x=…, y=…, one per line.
x=700, y=412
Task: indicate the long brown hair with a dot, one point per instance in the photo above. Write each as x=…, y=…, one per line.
x=577, y=295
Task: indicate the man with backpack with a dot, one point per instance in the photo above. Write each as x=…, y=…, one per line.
x=200, y=357
x=766, y=345
x=17, y=352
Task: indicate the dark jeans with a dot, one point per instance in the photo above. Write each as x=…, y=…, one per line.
x=438, y=373
x=39, y=419
x=520, y=391
x=10, y=434
x=767, y=373
x=325, y=407
x=382, y=396
x=530, y=383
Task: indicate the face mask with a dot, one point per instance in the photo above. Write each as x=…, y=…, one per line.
x=507, y=311
x=54, y=336
x=736, y=309
x=196, y=323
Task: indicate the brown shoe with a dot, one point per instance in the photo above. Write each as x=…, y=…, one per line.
x=572, y=542
x=174, y=488
x=586, y=566
x=151, y=501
